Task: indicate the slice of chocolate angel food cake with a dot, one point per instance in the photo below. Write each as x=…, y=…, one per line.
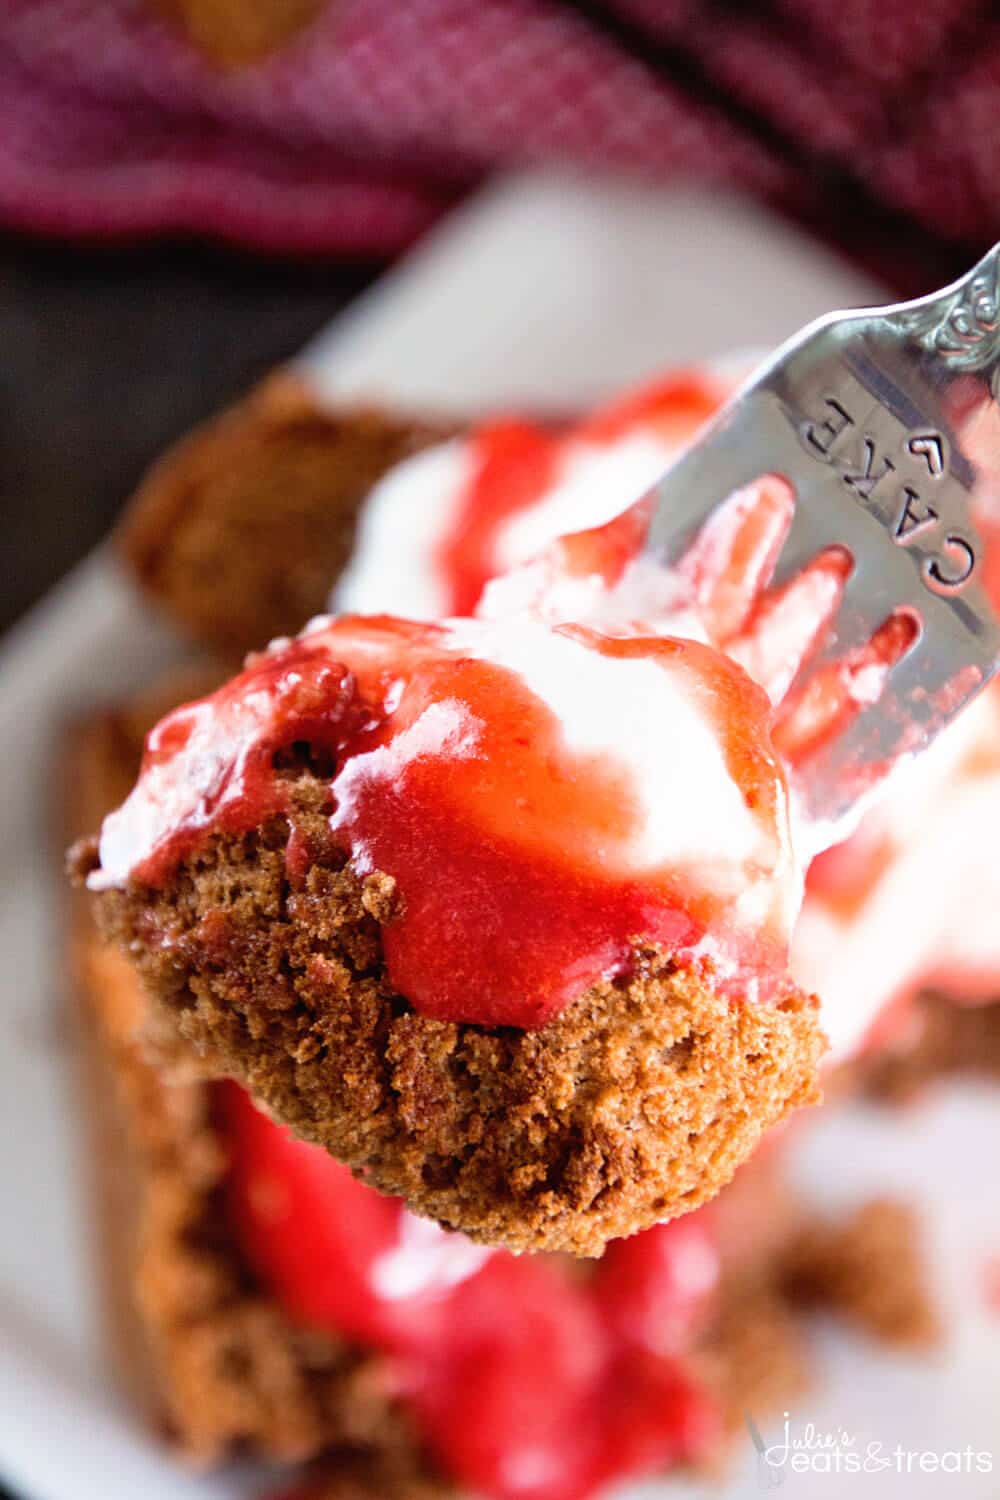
x=497, y=908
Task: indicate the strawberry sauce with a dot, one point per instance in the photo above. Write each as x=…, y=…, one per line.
x=533, y=791
x=515, y=463
x=526, y=1382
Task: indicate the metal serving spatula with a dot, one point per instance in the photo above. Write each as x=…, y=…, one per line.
x=885, y=423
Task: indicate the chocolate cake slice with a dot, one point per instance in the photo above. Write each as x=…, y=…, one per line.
x=515, y=966
x=239, y=531
x=217, y=1358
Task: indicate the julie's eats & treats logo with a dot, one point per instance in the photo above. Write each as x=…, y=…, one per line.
x=807, y=1449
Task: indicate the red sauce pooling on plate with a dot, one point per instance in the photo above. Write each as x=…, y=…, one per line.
x=515, y=855
x=527, y=1383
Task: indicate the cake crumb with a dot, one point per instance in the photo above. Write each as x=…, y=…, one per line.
x=941, y=1038
x=870, y=1270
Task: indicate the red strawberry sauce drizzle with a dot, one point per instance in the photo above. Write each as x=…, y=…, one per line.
x=511, y=852
x=526, y=1381
x=514, y=464
x=516, y=461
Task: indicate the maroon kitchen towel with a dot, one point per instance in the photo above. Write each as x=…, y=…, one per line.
x=356, y=133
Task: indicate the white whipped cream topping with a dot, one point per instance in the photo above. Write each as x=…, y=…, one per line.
x=181, y=787
x=645, y=717
x=596, y=482
x=427, y=1261
x=444, y=730
x=402, y=525
x=646, y=600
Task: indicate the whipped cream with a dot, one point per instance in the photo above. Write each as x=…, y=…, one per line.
x=181, y=787
x=593, y=483
x=426, y=1260
x=395, y=565
x=650, y=721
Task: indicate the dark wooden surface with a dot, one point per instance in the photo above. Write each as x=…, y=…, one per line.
x=105, y=357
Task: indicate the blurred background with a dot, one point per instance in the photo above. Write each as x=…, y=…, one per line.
x=190, y=188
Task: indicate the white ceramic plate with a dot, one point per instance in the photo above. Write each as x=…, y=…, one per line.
x=544, y=290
